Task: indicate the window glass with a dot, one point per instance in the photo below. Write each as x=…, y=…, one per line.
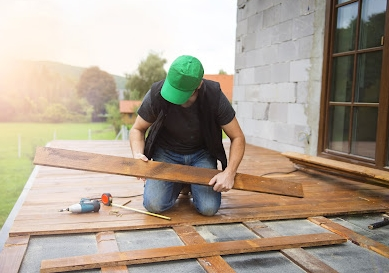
x=339, y=128
x=364, y=133
x=345, y=32
x=368, y=77
x=342, y=79
x=372, y=23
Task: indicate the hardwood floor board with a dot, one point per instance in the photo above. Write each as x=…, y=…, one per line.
x=12, y=255
x=351, y=235
x=299, y=256
x=56, y=188
x=102, y=221
x=106, y=243
x=188, y=252
x=211, y=264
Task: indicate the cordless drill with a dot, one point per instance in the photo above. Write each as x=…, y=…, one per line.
x=85, y=205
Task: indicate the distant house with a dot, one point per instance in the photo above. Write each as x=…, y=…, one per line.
x=226, y=83
x=128, y=110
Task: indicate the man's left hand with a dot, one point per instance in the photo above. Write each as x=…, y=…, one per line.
x=222, y=182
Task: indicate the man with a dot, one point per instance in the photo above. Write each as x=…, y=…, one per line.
x=186, y=115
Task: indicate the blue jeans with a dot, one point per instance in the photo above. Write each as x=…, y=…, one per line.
x=161, y=195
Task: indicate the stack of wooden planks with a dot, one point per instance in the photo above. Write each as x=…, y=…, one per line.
x=362, y=173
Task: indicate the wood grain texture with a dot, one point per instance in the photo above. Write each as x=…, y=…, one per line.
x=39, y=223
x=106, y=243
x=334, y=166
x=354, y=237
x=299, y=256
x=62, y=158
x=12, y=255
x=188, y=252
x=57, y=188
x=212, y=264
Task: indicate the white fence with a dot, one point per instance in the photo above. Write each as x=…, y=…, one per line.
x=123, y=133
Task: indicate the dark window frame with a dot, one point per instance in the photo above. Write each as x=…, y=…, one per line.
x=381, y=159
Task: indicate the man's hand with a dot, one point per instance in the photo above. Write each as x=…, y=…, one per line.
x=222, y=182
x=141, y=157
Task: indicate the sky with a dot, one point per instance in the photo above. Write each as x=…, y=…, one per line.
x=116, y=35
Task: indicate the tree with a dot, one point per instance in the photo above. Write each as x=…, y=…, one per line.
x=80, y=110
x=114, y=117
x=149, y=71
x=222, y=72
x=127, y=95
x=98, y=87
x=8, y=110
x=55, y=112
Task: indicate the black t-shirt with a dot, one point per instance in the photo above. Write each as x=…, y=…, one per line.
x=181, y=128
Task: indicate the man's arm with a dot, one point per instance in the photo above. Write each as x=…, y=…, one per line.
x=224, y=181
x=137, y=138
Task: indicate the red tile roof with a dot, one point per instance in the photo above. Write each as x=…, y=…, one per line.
x=129, y=106
x=226, y=83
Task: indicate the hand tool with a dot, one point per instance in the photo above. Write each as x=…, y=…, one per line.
x=382, y=223
x=85, y=205
x=106, y=199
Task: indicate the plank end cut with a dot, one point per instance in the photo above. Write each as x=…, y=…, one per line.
x=68, y=159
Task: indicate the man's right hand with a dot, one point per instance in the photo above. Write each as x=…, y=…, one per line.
x=137, y=139
x=141, y=157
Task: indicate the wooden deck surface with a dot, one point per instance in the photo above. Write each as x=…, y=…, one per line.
x=56, y=188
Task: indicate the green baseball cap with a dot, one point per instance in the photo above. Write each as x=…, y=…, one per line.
x=184, y=76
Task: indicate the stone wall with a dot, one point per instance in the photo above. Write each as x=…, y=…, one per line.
x=278, y=64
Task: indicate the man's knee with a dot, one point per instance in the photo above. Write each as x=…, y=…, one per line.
x=208, y=209
x=154, y=206
x=159, y=196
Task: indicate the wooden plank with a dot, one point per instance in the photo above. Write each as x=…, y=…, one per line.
x=237, y=206
x=212, y=264
x=62, y=158
x=187, y=252
x=354, y=237
x=106, y=243
x=365, y=173
x=12, y=255
x=299, y=256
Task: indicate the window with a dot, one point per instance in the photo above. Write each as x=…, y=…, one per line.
x=354, y=108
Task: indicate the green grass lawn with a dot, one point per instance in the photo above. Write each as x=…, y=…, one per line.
x=15, y=170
